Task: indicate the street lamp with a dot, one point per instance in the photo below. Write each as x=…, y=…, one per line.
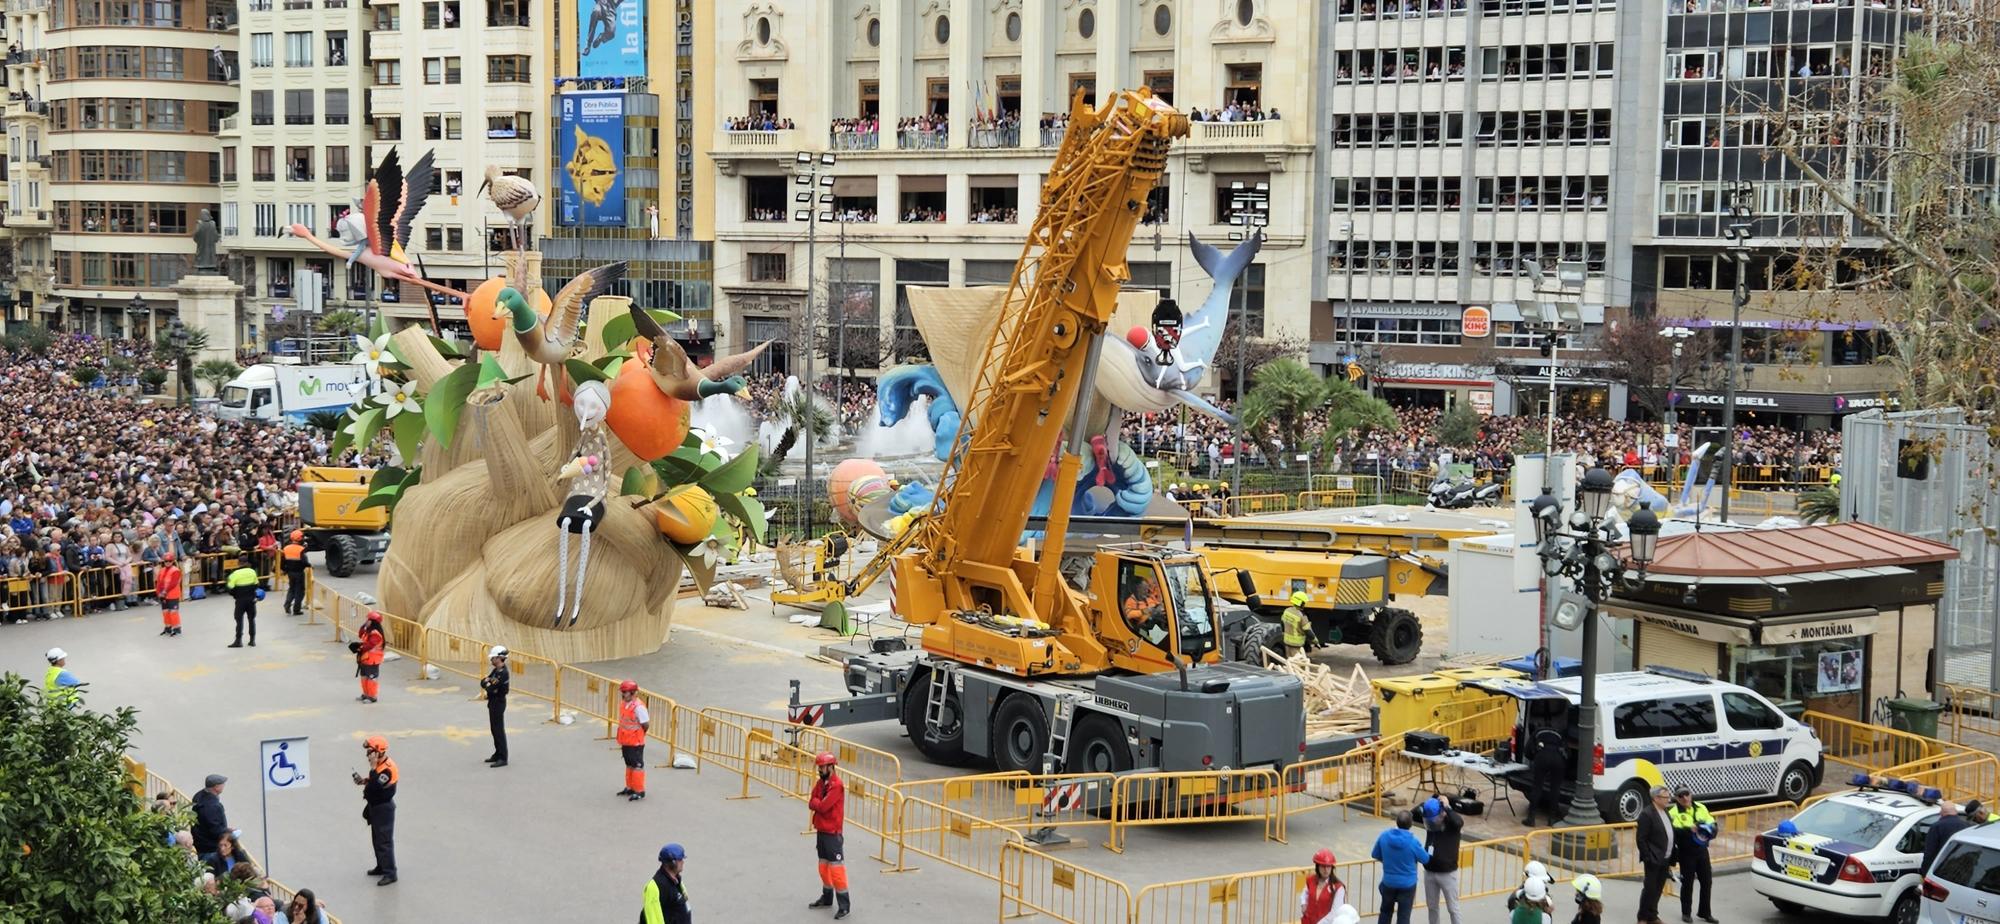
x=1678, y=335
x=137, y=308
x=1554, y=320
x=816, y=197
x=1580, y=546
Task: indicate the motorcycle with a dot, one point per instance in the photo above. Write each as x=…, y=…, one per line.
x=1463, y=493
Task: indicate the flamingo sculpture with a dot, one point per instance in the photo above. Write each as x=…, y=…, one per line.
x=389, y=208
x=547, y=340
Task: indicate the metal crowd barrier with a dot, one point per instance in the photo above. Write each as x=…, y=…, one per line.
x=1970, y=711
x=1032, y=882
x=1865, y=748
x=1198, y=797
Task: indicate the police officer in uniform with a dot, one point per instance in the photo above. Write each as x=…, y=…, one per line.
x=242, y=585
x=1694, y=827
x=1547, y=770
x=496, y=684
x=378, y=792
x=666, y=899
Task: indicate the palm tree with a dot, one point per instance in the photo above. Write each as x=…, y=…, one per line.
x=328, y=421
x=217, y=373
x=1820, y=505
x=1286, y=394
x=345, y=322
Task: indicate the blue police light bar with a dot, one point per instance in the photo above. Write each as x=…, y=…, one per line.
x=1860, y=779
x=1931, y=794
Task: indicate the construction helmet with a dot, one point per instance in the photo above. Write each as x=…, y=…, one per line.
x=1535, y=870
x=1298, y=598
x=298, y=534
x=1323, y=858
x=374, y=616
x=376, y=743
x=1587, y=886
x=57, y=654
x=498, y=651
x=1535, y=890
x=629, y=686
x=825, y=759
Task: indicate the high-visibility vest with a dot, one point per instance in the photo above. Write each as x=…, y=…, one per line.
x=294, y=552
x=1295, y=627
x=55, y=690
x=630, y=732
x=1688, y=818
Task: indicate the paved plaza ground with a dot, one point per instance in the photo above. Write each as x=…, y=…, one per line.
x=544, y=839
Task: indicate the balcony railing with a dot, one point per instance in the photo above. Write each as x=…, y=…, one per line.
x=1234, y=132
x=923, y=140
x=1006, y=136
x=302, y=118
x=854, y=141
x=1053, y=137
x=263, y=176
x=776, y=139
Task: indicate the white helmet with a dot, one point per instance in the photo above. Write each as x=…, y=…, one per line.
x=1535, y=870
x=498, y=651
x=1536, y=890
x=57, y=654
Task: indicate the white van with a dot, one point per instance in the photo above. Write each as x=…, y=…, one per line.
x=1662, y=725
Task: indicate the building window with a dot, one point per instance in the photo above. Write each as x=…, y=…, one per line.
x=513, y=125
x=508, y=69
x=995, y=199
x=263, y=164
x=298, y=107
x=441, y=15
x=941, y=30
x=1013, y=27
x=507, y=13
x=767, y=267
x=162, y=63
x=260, y=51
x=764, y=96
x=874, y=32
x=937, y=95
x=299, y=166
x=1087, y=82
x=1086, y=23
x=1160, y=82
x=267, y=219
x=1163, y=20
x=388, y=73
x=441, y=71
x=765, y=199
x=336, y=164
x=298, y=49
x=229, y=164
x=336, y=48
x=336, y=107
x=388, y=128
x=923, y=199
x=1244, y=83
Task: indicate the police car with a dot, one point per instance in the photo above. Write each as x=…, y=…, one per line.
x=1856, y=853
x=1663, y=726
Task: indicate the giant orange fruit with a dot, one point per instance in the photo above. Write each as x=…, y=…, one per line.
x=647, y=421
x=487, y=330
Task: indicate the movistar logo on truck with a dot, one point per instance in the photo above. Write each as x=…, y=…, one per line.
x=310, y=385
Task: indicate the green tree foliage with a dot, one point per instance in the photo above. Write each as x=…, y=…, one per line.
x=343, y=321
x=1287, y=395
x=81, y=844
x=163, y=345
x=84, y=375
x=217, y=373
x=328, y=421
x=1459, y=427
x=1820, y=505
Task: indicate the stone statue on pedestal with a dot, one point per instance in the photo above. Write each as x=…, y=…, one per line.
x=205, y=236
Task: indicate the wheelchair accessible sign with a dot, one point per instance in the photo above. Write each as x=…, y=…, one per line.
x=284, y=762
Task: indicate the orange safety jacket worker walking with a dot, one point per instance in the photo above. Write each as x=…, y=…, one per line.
x=633, y=721
x=294, y=566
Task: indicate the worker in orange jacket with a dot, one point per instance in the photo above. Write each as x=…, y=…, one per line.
x=167, y=586
x=633, y=721
x=368, y=648
x=295, y=567
x=829, y=817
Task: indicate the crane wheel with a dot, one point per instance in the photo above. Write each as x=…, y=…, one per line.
x=949, y=748
x=1260, y=636
x=1396, y=636
x=1097, y=745
x=343, y=555
x=1020, y=734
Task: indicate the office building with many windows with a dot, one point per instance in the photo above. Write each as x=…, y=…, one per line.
x=112, y=119
x=1463, y=140
x=941, y=119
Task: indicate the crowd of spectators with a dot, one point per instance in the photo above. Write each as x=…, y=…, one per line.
x=761, y=122
x=1234, y=112
x=215, y=855
x=95, y=485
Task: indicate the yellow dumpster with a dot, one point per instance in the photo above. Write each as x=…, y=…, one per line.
x=1426, y=699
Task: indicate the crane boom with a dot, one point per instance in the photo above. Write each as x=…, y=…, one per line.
x=1064, y=289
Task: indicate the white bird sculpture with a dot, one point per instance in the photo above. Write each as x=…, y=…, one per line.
x=517, y=198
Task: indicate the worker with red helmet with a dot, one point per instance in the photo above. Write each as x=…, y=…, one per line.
x=378, y=792
x=167, y=586
x=1324, y=893
x=295, y=566
x=829, y=811
x=633, y=722
x=368, y=646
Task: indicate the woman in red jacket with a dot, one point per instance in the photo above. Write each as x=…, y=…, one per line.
x=368, y=656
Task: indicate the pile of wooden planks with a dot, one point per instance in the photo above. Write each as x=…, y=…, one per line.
x=1333, y=705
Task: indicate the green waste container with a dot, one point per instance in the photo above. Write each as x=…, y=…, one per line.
x=1916, y=716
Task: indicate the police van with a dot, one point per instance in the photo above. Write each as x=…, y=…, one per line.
x=1855, y=853
x=1662, y=726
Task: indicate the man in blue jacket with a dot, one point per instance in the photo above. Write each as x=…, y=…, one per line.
x=1400, y=853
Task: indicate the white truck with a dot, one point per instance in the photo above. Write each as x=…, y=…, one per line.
x=268, y=391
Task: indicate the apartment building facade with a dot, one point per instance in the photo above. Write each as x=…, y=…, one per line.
x=112, y=119
x=1462, y=141
x=294, y=152
x=1736, y=77
x=940, y=119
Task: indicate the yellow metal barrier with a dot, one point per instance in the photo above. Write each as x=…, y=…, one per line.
x=1330, y=782
x=1062, y=802
x=591, y=695
x=47, y=595
x=1971, y=712
x=1327, y=500
x=951, y=837
x=869, y=762
x=1251, y=504
x=1866, y=748
x=1961, y=774
x=1034, y=883
x=1200, y=797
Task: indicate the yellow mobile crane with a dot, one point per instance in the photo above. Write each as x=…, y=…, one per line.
x=1018, y=666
